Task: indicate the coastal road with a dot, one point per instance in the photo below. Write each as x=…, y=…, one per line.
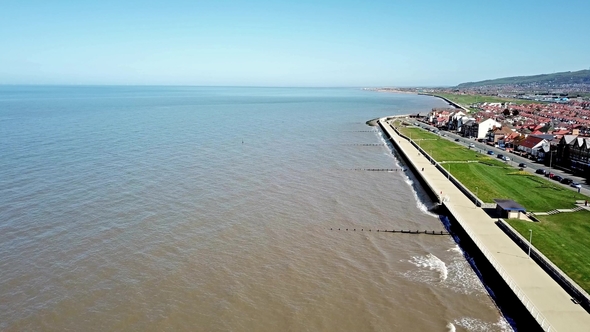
x=514, y=159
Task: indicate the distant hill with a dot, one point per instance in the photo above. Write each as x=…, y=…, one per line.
x=569, y=77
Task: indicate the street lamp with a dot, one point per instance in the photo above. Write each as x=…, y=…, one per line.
x=530, y=240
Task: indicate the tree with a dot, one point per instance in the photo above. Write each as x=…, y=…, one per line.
x=506, y=112
x=515, y=112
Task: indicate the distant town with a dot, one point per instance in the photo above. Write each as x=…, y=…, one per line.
x=550, y=126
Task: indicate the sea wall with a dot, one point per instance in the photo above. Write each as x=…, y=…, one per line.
x=438, y=166
x=431, y=192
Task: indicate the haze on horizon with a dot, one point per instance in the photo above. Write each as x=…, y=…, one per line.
x=299, y=43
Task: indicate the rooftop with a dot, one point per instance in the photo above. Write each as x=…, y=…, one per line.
x=509, y=205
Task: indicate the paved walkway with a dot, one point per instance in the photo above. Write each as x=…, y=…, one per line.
x=548, y=303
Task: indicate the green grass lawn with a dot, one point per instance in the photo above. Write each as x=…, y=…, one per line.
x=491, y=178
x=564, y=239
x=536, y=194
x=438, y=147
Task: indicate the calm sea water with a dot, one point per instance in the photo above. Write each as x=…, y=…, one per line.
x=209, y=209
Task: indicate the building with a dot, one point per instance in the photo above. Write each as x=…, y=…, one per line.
x=531, y=145
x=507, y=208
x=573, y=152
x=472, y=128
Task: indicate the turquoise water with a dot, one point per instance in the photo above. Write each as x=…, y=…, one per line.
x=197, y=208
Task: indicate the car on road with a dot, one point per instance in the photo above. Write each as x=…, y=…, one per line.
x=471, y=145
x=505, y=158
x=549, y=174
x=557, y=178
x=457, y=140
x=523, y=165
x=490, y=152
x=575, y=185
x=540, y=171
x=566, y=181
x=500, y=156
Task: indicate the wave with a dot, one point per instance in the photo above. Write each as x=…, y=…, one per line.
x=451, y=327
x=432, y=263
x=474, y=324
x=456, y=274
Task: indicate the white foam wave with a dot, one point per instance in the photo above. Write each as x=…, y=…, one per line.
x=461, y=277
x=451, y=327
x=433, y=263
x=456, y=249
x=476, y=325
x=456, y=275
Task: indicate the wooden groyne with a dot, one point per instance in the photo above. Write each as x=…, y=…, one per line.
x=400, y=231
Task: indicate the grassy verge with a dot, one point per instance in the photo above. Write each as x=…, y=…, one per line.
x=563, y=238
x=491, y=178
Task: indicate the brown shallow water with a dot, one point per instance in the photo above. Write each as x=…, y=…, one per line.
x=167, y=221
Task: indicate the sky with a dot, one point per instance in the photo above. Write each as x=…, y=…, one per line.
x=289, y=43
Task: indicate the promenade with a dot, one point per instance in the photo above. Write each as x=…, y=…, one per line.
x=544, y=298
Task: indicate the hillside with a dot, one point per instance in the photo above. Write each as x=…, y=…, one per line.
x=555, y=79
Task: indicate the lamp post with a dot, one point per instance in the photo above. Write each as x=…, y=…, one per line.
x=530, y=240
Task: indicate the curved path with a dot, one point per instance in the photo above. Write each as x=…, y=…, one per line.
x=547, y=302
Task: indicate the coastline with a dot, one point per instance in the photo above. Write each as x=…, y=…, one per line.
x=448, y=101
x=391, y=90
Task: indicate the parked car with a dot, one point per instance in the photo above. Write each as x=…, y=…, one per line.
x=457, y=140
x=575, y=185
x=500, y=156
x=566, y=181
x=490, y=152
x=523, y=165
x=471, y=145
x=505, y=158
x=540, y=171
x=549, y=174
x=557, y=178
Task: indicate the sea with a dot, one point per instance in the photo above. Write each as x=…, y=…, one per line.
x=170, y=208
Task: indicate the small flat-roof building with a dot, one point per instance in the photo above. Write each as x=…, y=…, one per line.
x=509, y=209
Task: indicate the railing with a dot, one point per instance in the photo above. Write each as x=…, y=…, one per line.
x=536, y=313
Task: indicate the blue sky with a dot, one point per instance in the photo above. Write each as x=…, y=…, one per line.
x=280, y=43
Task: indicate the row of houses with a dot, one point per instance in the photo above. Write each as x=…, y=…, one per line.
x=457, y=120
x=559, y=148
